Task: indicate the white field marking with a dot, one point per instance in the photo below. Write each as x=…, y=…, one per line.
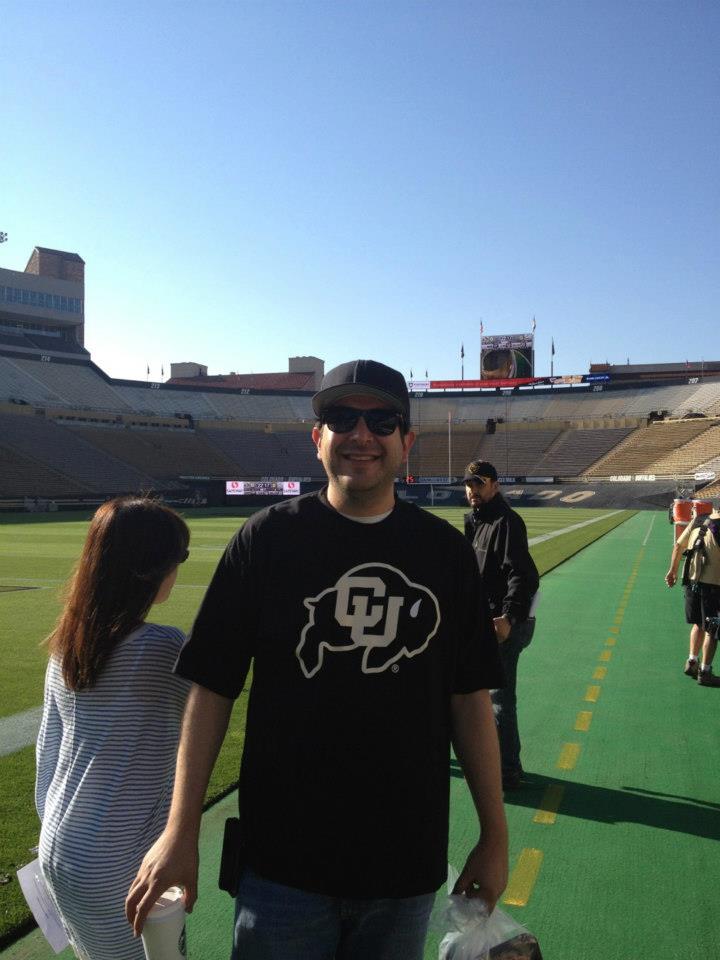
x=19, y=730
x=46, y=584
x=207, y=546
x=647, y=535
x=11, y=581
x=575, y=526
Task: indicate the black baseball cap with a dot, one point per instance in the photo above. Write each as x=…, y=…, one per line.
x=479, y=468
x=364, y=378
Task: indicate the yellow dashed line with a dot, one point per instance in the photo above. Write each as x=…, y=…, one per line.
x=523, y=877
x=547, y=812
x=584, y=718
x=527, y=868
x=568, y=756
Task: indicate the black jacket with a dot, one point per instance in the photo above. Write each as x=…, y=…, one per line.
x=499, y=538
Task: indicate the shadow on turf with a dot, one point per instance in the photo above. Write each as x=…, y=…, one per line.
x=628, y=805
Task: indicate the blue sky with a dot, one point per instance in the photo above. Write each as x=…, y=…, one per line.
x=248, y=181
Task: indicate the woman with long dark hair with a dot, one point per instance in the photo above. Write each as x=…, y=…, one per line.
x=111, y=722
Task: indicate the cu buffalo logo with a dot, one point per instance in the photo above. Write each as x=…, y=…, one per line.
x=373, y=607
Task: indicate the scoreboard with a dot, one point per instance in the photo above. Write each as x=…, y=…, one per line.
x=266, y=488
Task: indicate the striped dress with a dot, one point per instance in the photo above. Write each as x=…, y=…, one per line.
x=105, y=769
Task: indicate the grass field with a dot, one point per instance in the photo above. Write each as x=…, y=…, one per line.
x=36, y=556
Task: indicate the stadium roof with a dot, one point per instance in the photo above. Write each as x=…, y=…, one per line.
x=258, y=381
x=61, y=253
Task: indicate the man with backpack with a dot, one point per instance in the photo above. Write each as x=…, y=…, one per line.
x=701, y=542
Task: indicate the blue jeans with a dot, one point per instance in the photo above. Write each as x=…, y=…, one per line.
x=275, y=922
x=505, y=699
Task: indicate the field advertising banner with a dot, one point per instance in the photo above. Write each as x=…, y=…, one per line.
x=507, y=356
x=269, y=488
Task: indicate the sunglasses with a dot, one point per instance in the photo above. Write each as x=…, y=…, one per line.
x=380, y=422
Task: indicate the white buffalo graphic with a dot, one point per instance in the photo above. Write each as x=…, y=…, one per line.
x=373, y=606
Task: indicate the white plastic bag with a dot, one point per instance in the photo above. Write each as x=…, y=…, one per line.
x=470, y=934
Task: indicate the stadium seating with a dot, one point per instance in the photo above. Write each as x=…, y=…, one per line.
x=100, y=437
x=705, y=399
x=647, y=446
x=24, y=476
x=574, y=451
x=163, y=455
x=694, y=452
x=67, y=384
x=16, y=384
x=86, y=467
x=274, y=453
x=429, y=455
x=710, y=492
x=570, y=404
x=237, y=406
x=511, y=451
x=167, y=403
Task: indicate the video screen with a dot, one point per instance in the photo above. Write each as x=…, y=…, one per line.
x=507, y=357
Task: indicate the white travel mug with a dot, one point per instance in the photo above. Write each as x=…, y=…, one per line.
x=163, y=934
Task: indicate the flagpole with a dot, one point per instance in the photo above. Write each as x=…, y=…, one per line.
x=449, y=447
x=507, y=438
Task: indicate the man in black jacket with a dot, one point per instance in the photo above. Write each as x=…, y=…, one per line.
x=499, y=538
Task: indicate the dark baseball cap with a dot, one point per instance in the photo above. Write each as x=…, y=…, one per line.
x=363, y=378
x=480, y=468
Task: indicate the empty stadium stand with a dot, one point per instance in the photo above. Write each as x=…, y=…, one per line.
x=25, y=476
x=67, y=430
x=163, y=455
x=67, y=384
x=165, y=403
x=272, y=453
x=574, y=451
x=570, y=404
x=86, y=467
x=647, y=447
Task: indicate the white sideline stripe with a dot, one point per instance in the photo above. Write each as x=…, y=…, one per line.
x=19, y=730
x=647, y=535
x=15, y=581
x=575, y=526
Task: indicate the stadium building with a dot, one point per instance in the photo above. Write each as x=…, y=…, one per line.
x=43, y=307
x=70, y=434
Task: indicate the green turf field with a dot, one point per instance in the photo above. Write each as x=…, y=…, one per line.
x=36, y=556
x=615, y=845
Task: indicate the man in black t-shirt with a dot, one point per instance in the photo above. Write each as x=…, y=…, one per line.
x=372, y=650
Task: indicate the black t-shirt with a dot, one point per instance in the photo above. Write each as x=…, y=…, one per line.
x=358, y=635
